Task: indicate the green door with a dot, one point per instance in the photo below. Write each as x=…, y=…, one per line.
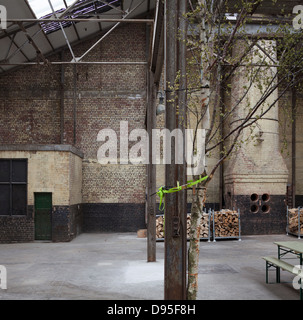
x=43, y=216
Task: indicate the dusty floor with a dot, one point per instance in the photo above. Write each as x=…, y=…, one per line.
x=114, y=267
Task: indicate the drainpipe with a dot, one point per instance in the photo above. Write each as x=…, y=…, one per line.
x=75, y=104
x=62, y=100
x=294, y=125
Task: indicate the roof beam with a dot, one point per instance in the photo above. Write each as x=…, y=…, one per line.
x=32, y=42
x=9, y=48
x=41, y=29
x=148, y=21
x=113, y=28
x=14, y=42
x=15, y=31
x=113, y=7
x=77, y=62
x=157, y=47
x=100, y=26
x=74, y=25
x=63, y=31
x=68, y=9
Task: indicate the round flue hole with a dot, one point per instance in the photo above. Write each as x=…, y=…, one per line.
x=254, y=208
x=265, y=197
x=265, y=208
x=254, y=197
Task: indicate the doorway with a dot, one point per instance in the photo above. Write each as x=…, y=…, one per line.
x=43, y=216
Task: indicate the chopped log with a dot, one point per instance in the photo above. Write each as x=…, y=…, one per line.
x=142, y=233
x=293, y=220
x=226, y=223
x=204, y=227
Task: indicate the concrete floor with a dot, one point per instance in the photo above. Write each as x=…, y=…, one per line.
x=114, y=267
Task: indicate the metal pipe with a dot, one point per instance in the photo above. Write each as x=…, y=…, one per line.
x=293, y=146
x=62, y=105
x=75, y=104
x=154, y=29
x=149, y=21
x=71, y=62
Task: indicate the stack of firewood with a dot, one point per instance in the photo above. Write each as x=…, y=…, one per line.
x=160, y=227
x=226, y=223
x=293, y=220
x=204, y=226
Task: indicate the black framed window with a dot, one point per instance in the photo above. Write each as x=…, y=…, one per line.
x=13, y=187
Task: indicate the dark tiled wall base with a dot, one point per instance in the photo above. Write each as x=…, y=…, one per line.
x=67, y=222
x=70, y=221
x=299, y=201
x=16, y=229
x=261, y=223
x=119, y=217
x=113, y=217
x=60, y=224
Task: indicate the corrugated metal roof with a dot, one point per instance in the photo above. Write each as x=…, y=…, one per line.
x=30, y=41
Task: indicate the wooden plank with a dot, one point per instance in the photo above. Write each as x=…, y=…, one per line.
x=281, y=264
x=292, y=245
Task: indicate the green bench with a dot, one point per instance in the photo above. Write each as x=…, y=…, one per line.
x=281, y=264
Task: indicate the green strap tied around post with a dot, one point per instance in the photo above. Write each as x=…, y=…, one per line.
x=162, y=191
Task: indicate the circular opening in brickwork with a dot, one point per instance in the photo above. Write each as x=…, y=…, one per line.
x=265, y=208
x=254, y=208
x=254, y=197
x=265, y=197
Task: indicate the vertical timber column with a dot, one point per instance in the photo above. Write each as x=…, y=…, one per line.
x=181, y=124
x=175, y=253
x=151, y=171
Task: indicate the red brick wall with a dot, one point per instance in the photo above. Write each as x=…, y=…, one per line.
x=104, y=96
x=30, y=106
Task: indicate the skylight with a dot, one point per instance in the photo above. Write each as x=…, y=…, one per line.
x=42, y=8
x=81, y=9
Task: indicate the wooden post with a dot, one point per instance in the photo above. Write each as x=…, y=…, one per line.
x=151, y=171
x=181, y=124
x=175, y=229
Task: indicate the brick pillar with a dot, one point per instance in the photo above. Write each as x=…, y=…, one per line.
x=256, y=176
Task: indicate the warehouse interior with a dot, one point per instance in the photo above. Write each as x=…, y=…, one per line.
x=54, y=108
x=74, y=72
x=64, y=82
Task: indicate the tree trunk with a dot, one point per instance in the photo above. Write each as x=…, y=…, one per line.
x=194, y=242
